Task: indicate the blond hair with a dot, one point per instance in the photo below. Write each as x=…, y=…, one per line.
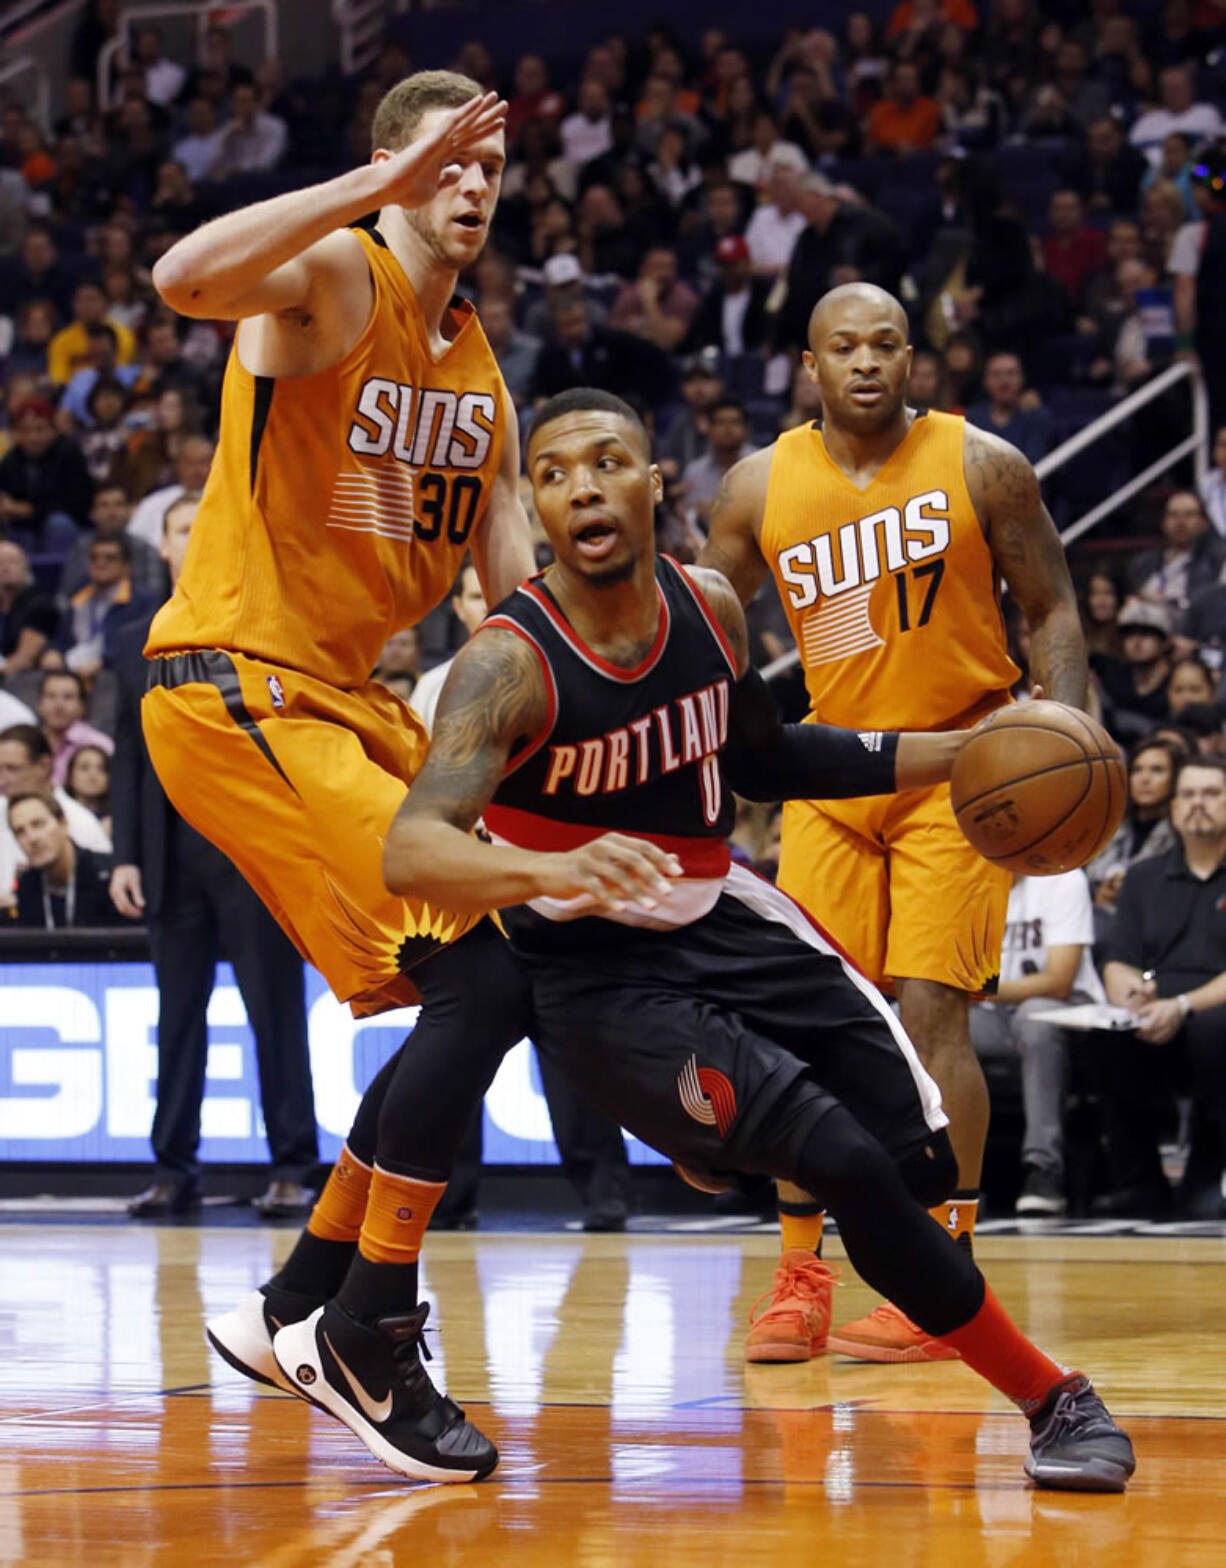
x=401, y=107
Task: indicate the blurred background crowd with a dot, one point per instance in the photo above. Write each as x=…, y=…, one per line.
x=1040, y=184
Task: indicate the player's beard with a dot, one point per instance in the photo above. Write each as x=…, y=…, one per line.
x=611, y=576
x=432, y=236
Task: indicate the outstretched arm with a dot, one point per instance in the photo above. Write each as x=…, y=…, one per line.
x=494, y=696
x=736, y=521
x=766, y=759
x=1030, y=557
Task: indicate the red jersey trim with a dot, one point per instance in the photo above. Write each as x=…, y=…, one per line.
x=505, y=624
x=707, y=858
x=602, y=666
x=707, y=613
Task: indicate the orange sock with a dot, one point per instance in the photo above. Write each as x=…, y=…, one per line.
x=338, y=1211
x=993, y=1345
x=800, y=1227
x=958, y=1216
x=398, y=1209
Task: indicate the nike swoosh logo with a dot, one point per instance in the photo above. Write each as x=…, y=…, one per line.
x=378, y=1411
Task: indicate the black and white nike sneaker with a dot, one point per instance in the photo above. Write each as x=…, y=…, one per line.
x=372, y=1379
x=243, y=1336
x=1075, y=1446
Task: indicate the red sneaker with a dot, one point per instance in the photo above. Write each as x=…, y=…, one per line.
x=887, y=1334
x=793, y=1324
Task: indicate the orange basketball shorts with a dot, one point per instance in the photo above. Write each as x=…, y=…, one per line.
x=297, y=782
x=893, y=881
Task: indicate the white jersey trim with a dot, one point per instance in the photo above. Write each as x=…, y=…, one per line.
x=690, y=899
x=768, y=903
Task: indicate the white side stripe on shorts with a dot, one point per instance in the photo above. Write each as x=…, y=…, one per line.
x=766, y=901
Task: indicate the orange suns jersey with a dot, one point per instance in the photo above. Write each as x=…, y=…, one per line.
x=340, y=505
x=891, y=591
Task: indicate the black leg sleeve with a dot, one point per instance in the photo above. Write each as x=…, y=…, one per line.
x=590, y=1145
x=476, y=1004
x=893, y=1243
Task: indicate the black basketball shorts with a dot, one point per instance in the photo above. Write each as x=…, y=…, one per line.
x=723, y=1043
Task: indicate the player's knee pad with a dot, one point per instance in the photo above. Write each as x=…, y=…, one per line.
x=931, y=1170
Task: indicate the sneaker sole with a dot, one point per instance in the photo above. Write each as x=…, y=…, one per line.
x=295, y=1349
x=784, y=1350
x=237, y=1341
x=858, y=1350
x=1088, y=1475
x=1041, y=1208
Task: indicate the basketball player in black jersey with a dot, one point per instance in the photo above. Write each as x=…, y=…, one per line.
x=690, y=1000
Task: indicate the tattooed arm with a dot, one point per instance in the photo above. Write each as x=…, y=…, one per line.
x=736, y=522
x=1030, y=557
x=725, y=606
x=494, y=696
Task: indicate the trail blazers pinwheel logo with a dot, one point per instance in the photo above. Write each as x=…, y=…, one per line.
x=707, y=1096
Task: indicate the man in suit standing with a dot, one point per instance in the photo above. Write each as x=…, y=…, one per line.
x=195, y=904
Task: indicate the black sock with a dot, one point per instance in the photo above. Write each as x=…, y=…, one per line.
x=378, y=1290
x=315, y=1267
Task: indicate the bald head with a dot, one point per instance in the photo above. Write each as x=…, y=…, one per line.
x=854, y=301
x=860, y=358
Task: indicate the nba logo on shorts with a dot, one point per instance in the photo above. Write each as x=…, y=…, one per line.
x=707, y=1096
x=276, y=691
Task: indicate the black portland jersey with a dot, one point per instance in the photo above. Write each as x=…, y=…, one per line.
x=632, y=751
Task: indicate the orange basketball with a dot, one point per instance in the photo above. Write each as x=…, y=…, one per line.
x=1039, y=788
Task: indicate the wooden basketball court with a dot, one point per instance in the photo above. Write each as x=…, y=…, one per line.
x=609, y=1372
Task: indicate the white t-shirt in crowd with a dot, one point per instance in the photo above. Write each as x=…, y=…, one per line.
x=584, y=139
x=427, y=692
x=148, y=515
x=1050, y=912
x=14, y=711
x=771, y=237
x=1184, y=257
x=1148, y=133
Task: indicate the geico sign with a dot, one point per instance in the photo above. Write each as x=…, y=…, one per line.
x=81, y=1063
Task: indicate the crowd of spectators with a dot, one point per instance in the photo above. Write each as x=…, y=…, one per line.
x=1036, y=184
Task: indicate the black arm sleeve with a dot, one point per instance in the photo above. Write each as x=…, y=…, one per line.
x=768, y=760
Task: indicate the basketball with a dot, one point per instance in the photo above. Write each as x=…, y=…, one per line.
x=1039, y=788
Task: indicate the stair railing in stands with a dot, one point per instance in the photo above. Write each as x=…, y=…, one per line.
x=26, y=64
x=131, y=17
x=1195, y=445
x=361, y=24
x=22, y=17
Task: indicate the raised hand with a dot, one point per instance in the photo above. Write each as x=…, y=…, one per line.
x=412, y=176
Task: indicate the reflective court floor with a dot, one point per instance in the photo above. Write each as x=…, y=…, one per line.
x=609, y=1372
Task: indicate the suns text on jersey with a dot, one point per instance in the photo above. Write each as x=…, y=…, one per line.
x=860, y=552
x=423, y=426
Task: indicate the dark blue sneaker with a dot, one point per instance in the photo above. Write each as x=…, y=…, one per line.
x=1075, y=1446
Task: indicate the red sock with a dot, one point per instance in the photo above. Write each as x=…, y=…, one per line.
x=993, y=1345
